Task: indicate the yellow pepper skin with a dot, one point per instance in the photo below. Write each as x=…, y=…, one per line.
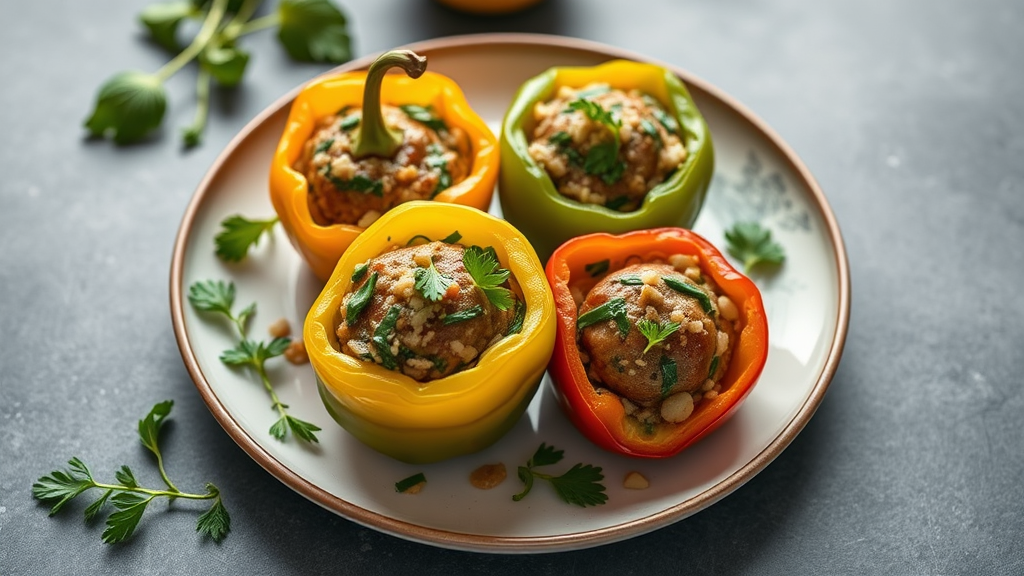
x=321, y=246
x=529, y=199
x=462, y=413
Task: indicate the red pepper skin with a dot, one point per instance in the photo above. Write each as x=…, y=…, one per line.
x=600, y=417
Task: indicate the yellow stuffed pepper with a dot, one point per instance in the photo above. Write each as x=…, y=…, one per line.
x=359, y=143
x=432, y=335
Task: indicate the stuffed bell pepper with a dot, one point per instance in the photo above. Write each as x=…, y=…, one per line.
x=659, y=339
x=360, y=143
x=611, y=148
x=432, y=335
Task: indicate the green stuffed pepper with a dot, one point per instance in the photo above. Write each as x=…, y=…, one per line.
x=612, y=148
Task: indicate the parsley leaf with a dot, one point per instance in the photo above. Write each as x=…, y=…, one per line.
x=684, y=287
x=753, y=245
x=614, y=309
x=407, y=483
x=655, y=332
x=669, y=374
x=425, y=115
x=218, y=297
x=358, y=301
x=238, y=234
x=431, y=284
x=463, y=315
x=381, y=335
x=313, y=31
x=580, y=485
x=163, y=18
x=128, y=498
x=595, y=269
x=482, y=265
x=603, y=159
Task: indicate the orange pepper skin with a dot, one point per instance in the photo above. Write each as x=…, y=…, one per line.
x=322, y=246
x=601, y=417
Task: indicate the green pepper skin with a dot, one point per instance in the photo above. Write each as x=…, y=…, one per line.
x=528, y=197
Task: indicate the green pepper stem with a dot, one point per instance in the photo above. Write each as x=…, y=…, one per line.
x=374, y=138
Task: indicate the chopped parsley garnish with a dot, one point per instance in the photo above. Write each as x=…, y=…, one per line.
x=407, y=483
x=359, y=272
x=580, y=485
x=714, y=366
x=360, y=299
x=596, y=90
x=516, y=326
x=597, y=268
x=663, y=118
x=655, y=332
x=425, y=115
x=452, y=238
x=444, y=180
x=648, y=127
x=418, y=239
x=431, y=283
x=617, y=202
x=563, y=141
x=669, y=375
x=753, y=244
x=631, y=280
x=482, y=265
x=358, y=183
x=463, y=315
x=692, y=291
x=603, y=159
x=614, y=309
x=349, y=123
x=324, y=146
x=381, y=334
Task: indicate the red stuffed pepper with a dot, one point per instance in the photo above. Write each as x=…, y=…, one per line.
x=659, y=339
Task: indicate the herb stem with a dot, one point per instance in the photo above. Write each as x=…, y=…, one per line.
x=274, y=400
x=374, y=137
x=209, y=28
x=163, y=474
x=262, y=23
x=155, y=493
x=234, y=28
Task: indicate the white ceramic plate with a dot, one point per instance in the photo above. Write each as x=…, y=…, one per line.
x=757, y=178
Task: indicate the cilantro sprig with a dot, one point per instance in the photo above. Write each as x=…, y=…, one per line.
x=238, y=234
x=580, y=485
x=655, y=332
x=753, y=245
x=126, y=496
x=130, y=105
x=219, y=297
x=603, y=159
x=482, y=265
x=431, y=283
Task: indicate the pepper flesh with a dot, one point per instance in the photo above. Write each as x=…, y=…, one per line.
x=601, y=416
x=463, y=412
x=322, y=246
x=528, y=197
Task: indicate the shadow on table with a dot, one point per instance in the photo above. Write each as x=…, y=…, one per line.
x=434, y=20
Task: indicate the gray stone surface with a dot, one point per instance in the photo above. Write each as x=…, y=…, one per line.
x=910, y=114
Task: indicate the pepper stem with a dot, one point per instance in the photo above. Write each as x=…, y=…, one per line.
x=374, y=137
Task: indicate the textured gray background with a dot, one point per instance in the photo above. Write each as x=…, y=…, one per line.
x=910, y=114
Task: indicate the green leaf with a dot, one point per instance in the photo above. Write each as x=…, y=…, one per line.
x=126, y=477
x=655, y=332
x=603, y=160
x=482, y=265
x=431, y=284
x=303, y=430
x=358, y=301
x=631, y=280
x=753, y=245
x=94, y=508
x=516, y=326
x=359, y=272
x=128, y=106
x=122, y=523
x=238, y=234
x=381, y=335
x=526, y=475
x=648, y=127
x=669, y=374
x=425, y=115
x=452, y=238
x=215, y=522
x=463, y=315
x=61, y=486
x=714, y=366
x=407, y=483
x=581, y=485
x=225, y=63
x=595, y=269
x=685, y=288
x=243, y=317
x=614, y=309
x=545, y=456
x=149, y=427
x=314, y=31
x=212, y=296
x=162, y=20
x=280, y=428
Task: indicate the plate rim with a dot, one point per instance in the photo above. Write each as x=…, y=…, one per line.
x=514, y=544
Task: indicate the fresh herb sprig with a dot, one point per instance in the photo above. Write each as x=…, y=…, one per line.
x=127, y=497
x=431, y=283
x=130, y=105
x=238, y=234
x=753, y=245
x=603, y=159
x=580, y=485
x=219, y=297
x=482, y=265
x=655, y=332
